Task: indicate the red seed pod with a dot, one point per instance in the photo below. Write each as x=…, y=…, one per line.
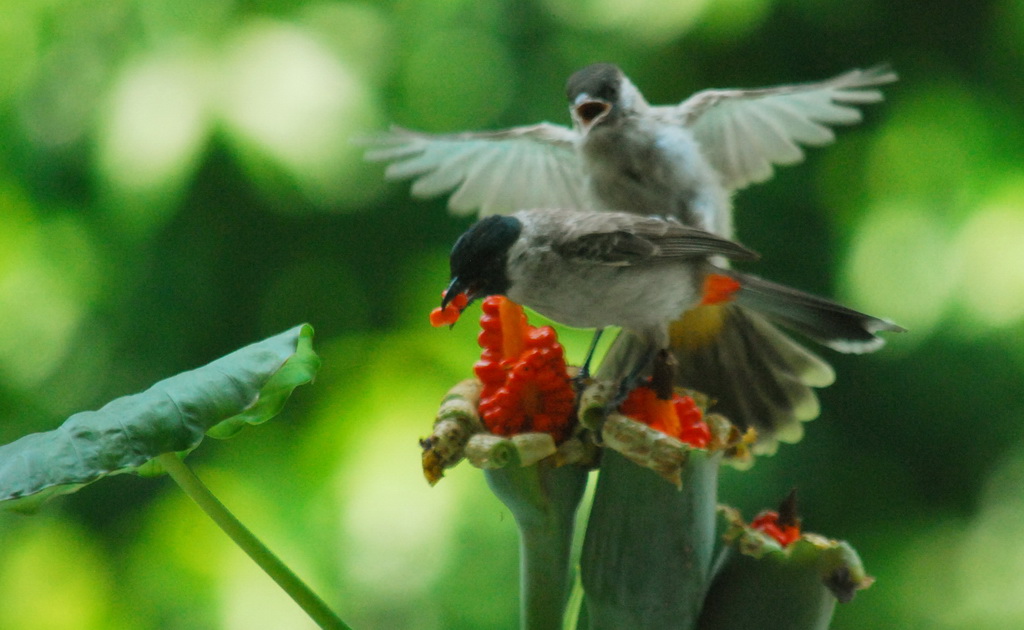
x=552, y=353
x=768, y=522
x=544, y=377
x=697, y=436
x=491, y=354
x=503, y=397
x=544, y=336
x=493, y=413
x=491, y=305
x=523, y=371
x=543, y=422
x=486, y=406
x=488, y=322
x=489, y=339
x=514, y=386
x=442, y=317
x=686, y=408
x=681, y=418
x=488, y=371
x=554, y=385
x=450, y=313
x=561, y=410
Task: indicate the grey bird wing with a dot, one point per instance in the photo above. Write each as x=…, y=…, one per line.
x=743, y=133
x=638, y=240
x=492, y=172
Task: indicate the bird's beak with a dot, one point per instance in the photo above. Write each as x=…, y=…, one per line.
x=588, y=111
x=455, y=287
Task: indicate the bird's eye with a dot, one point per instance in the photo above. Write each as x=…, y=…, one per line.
x=590, y=110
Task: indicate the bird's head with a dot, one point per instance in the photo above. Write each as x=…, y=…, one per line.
x=479, y=259
x=601, y=94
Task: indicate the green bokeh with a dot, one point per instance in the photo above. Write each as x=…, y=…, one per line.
x=177, y=180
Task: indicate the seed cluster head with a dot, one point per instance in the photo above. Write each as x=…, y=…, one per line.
x=768, y=522
x=679, y=417
x=525, y=384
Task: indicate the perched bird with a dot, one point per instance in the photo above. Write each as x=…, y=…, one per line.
x=594, y=269
x=683, y=161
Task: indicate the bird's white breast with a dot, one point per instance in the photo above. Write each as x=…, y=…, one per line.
x=646, y=167
x=641, y=298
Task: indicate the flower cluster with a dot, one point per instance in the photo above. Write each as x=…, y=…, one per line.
x=679, y=417
x=522, y=368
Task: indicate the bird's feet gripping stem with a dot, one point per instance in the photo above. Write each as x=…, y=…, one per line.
x=582, y=378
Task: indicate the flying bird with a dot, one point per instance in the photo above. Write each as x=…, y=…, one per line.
x=683, y=160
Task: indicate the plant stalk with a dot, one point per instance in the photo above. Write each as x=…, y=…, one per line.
x=648, y=550
x=313, y=606
x=543, y=499
x=544, y=575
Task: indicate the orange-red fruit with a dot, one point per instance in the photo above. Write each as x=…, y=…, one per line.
x=680, y=417
x=523, y=372
x=449, y=314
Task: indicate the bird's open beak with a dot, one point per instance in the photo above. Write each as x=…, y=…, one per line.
x=588, y=111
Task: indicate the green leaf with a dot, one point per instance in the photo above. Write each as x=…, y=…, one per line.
x=298, y=369
x=248, y=386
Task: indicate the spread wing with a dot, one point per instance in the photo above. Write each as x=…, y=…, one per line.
x=490, y=172
x=639, y=240
x=745, y=132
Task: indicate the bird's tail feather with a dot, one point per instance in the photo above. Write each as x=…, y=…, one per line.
x=757, y=375
x=826, y=322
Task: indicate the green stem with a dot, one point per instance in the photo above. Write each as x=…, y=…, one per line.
x=544, y=574
x=648, y=550
x=543, y=499
x=271, y=564
x=573, y=617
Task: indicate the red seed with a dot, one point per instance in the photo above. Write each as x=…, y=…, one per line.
x=698, y=436
x=491, y=305
x=490, y=323
x=768, y=522
x=443, y=317
x=541, y=337
x=489, y=339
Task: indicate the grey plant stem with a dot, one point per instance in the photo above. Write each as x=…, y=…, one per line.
x=313, y=606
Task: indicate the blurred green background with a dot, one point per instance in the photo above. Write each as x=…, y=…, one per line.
x=177, y=180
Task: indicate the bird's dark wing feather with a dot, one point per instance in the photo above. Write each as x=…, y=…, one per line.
x=650, y=241
x=683, y=242
x=618, y=247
